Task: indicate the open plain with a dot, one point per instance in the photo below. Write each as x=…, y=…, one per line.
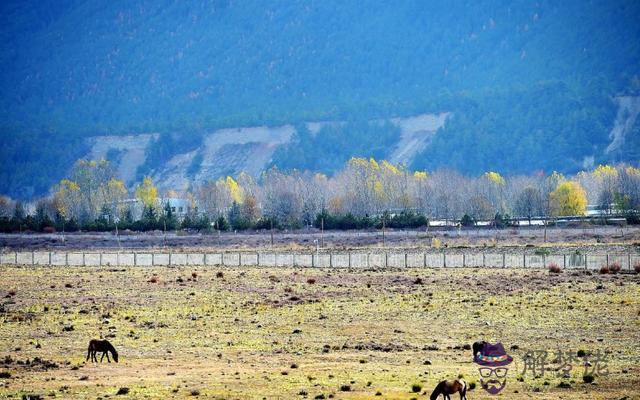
x=282, y=333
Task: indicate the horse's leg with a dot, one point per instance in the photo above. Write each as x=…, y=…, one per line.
x=88, y=354
x=102, y=358
x=93, y=356
x=107, y=353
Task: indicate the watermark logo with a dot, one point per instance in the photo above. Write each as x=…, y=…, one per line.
x=537, y=362
x=492, y=360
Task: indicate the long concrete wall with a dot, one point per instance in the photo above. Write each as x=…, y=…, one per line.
x=378, y=259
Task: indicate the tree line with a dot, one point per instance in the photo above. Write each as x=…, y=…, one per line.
x=364, y=194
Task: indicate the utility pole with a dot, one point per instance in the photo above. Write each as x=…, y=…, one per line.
x=271, y=231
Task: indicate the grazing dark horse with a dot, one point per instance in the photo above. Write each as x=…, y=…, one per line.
x=477, y=347
x=447, y=388
x=101, y=346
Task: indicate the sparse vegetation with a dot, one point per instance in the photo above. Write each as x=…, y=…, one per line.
x=229, y=325
x=615, y=267
x=554, y=268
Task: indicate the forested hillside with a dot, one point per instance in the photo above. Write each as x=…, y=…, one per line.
x=530, y=85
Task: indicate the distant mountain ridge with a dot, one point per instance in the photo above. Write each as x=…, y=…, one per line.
x=529, y=85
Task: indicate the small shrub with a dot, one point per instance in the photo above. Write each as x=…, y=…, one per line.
x=219, y=274
x=554, y=268
x=5, y=375
x=418, y=281
x=123, y=390
x=311, y=281
x=194, y=275
x=615, y=267
x=472, y=385
x=581, y=353
x=195, y=392
x=294, y=366
x=416, y=388
x=605, y=270
x=153, y=279
x=588, y=378
x=345, y=388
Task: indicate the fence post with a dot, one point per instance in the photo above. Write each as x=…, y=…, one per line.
x=84, y=263
x=629, y=258
x=586, y=263
x=544, y=260
x=349, y=254
x=258, y=259
x=330, y=260
x=66, y=259
x=464, y=258
x=406, y=257
x=484, y=264
x=564, y=261
x=33, y=256
x=504, y=261
x=607, y=259
x=135, y=259
x=100, y=262
x=424, y=260
x=386, y=259
x=524, y=259
x=369, y=255
x=444, y=259
x=240, y=259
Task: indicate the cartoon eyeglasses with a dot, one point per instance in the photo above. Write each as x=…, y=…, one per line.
x=499, y=372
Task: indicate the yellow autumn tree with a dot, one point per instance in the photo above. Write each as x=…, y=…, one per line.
x=605, y=172
x=569, y=198
x=68, y=199
x=495, y=178
x=147, y=192
x=235, y=190
x=114, y=194
x=420, y=175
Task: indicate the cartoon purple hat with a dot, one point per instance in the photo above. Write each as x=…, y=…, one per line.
x=492, y=355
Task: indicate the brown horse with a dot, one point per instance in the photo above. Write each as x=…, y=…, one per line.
x=103, y=346
x=446, y=388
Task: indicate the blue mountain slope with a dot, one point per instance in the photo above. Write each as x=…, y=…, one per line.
x=71, y=69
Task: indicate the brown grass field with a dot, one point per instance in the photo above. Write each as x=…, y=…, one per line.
x=277, y=333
